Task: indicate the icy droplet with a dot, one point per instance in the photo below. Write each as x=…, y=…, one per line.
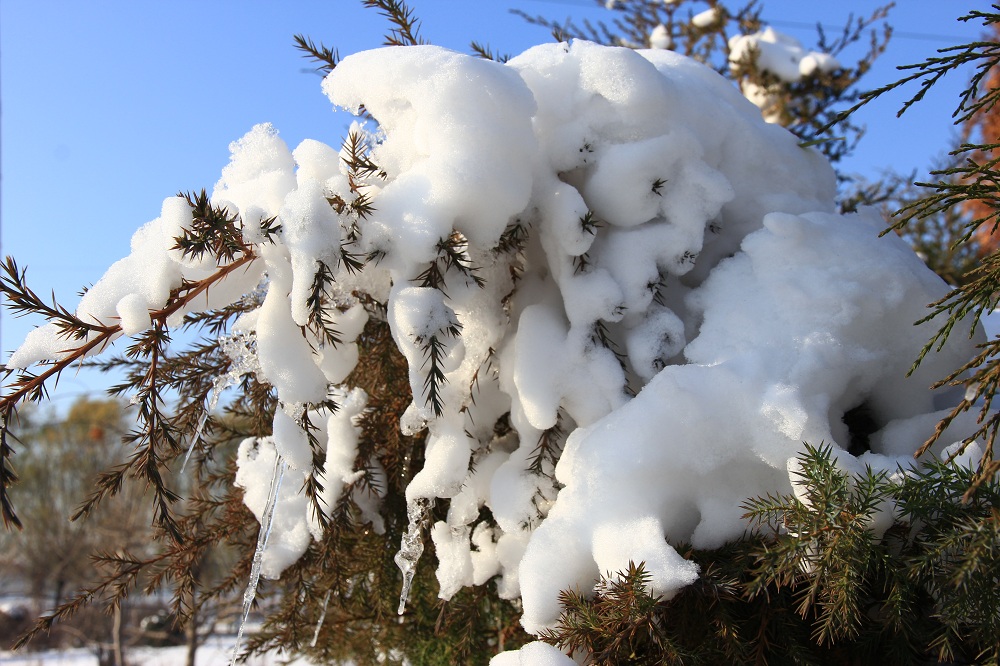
x=412, y=546
x=266, y=520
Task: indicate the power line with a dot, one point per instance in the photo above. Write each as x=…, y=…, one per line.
x=925, y=36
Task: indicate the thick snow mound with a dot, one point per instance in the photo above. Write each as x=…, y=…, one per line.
x=624, y=298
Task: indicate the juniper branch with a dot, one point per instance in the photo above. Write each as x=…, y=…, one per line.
x=983, y=55
x=326, y=57
x=29, y=387
x=406, y=32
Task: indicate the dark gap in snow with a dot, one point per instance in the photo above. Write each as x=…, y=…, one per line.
x=861, y=424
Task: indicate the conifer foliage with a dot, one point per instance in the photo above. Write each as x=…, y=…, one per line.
x=969, y=187
x=549, y=319
x=823, y=580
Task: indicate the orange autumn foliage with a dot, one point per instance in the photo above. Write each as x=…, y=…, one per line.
x=983, y=128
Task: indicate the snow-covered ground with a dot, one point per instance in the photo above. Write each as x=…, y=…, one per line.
x=217, y=651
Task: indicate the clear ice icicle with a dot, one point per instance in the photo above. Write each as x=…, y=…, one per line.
x=412, y=546
x=266, y=520
x=239, y=348
x=220, y=385
x=322, y=616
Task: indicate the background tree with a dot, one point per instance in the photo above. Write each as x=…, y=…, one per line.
x=805, y=100
x=980, y=132
x=59, y=461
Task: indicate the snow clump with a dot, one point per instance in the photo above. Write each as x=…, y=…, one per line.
x=660, y=38
x=644, y=303
x=780, y=56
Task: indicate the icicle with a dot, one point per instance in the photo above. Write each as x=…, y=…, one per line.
x=220, y=385
x=266, y=519
x=412, y=546
x=322, y=616
x=239, y=347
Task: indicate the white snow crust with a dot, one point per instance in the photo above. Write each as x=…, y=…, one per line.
x=669, y=303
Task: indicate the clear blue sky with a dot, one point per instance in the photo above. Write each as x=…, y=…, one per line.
x=110, y=106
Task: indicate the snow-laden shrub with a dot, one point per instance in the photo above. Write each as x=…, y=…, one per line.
x=624, y=299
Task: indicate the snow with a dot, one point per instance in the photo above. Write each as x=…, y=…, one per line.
x=684, y=309
x=991, y=322
x=215, y=650
x=708, y=18
x=660, y=38
x=275, y=502
x=536, y=653
x=133, y=313
x=780, y=56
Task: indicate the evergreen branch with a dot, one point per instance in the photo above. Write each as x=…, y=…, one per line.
x=213, y=231
x=217, y=322
x=983, y=55
x=485, y=367
x=581, y=263
x=454, y=253
x=484, y=51
x=657, y=287
x=618, y=624
x=434, y=353
x=547, y=450
x=321, y=54
x=354, y=263
x=188, y=291
x=432, y=276
x=590, y=223
x=21, y=300
x=157, y=434
x=600, y=336
x=984, y=382
x=318, y=303
x=358, y=160
x=513, y=239
x=969, y=181
x=28, y=387
x=355, y=154
x=406, y=32
x=7, y=475
x=313, y=486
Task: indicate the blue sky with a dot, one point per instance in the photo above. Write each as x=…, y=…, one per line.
x=110, y=106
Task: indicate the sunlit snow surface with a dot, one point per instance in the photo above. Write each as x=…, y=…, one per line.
x=679, y=250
